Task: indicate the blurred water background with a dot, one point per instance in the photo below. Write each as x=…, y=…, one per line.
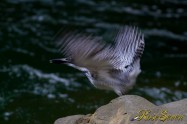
x=33, y=91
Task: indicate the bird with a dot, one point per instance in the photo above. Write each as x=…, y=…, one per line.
x=107, y=66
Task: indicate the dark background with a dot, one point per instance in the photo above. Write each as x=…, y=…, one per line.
x=32, y=91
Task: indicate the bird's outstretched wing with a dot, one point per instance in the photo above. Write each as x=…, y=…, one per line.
x=89, y=52
x=82, y=49
x=129, y=46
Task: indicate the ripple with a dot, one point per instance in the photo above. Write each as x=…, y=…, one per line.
x=41, y=75
x=163, y=95
x=36, y=82
x=7, y=115
x=24, y=51
x=143, y=10
x=165, y=33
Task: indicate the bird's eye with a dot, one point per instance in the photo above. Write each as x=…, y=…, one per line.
x=127, y=66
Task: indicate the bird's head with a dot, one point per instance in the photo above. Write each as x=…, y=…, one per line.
x=59, y=61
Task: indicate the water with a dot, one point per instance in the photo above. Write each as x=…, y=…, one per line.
x=33, y=91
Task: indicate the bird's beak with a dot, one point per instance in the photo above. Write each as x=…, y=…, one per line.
x=59, y=61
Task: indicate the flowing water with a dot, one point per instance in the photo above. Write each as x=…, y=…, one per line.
x=33, y=91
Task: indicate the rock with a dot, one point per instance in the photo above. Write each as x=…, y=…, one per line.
x=68, y=120
x=131, y=109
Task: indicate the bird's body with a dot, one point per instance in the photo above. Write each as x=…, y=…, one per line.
x=112, y=67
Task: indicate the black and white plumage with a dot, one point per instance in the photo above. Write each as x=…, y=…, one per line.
x=113, y=67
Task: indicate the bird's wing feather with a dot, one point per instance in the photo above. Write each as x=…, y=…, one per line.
x=82, y=48
x=89, y=52
x=129, y=46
